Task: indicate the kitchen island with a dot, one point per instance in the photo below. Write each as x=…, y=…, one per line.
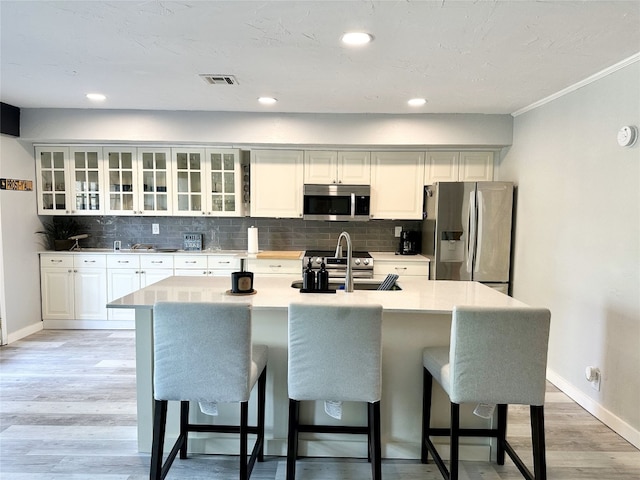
x=415, y=317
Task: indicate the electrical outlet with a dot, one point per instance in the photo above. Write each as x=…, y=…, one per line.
x=593, y=376
x=155, y=228
x=398, y=231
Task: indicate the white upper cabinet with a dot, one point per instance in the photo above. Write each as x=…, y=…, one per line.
x=137, y=181
x=276, y=183
x=458, y=167
x=397, y=185
x=69, y=180
x=207, y=182
x=329, y=167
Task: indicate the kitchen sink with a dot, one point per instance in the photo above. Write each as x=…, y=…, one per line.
x=357, y=285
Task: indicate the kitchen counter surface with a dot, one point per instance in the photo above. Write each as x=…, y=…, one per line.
x=271, y=254
x=275, y=292
x=393, y=257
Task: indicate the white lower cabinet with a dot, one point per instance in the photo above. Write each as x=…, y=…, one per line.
x=73, y=289
x=206, y=265
x=128, y=273
x=275, y=266
x=403, y=266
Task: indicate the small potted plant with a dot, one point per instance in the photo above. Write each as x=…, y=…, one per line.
x=56, y=233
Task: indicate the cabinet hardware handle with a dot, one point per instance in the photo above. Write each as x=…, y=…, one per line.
x=157, y=261
x=123, y=261
x=401, y=268
x=89, y=261
x=69, y=271
x=56, y=261
x=275, y=266
x=192, y=261
x=226, y=263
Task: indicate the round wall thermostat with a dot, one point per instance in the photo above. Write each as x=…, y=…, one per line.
x=627, y=136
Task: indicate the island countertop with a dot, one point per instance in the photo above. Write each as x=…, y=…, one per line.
x=275, y=292
x=415, y=317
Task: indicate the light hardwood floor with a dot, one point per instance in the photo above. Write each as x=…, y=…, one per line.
x=67, y=411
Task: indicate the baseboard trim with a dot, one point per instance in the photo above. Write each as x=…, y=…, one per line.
x=611, y=420
x=24, y=332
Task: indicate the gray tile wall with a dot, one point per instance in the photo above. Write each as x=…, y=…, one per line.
x=231, y=233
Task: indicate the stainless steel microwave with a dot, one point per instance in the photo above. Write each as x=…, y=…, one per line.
x=337, y=202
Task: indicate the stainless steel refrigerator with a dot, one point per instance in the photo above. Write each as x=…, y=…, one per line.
x=467, y=231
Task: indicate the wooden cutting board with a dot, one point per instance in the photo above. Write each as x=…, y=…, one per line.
x=286, y=254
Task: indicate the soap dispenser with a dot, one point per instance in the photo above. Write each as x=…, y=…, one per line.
x=323, y=278
x=309, y=278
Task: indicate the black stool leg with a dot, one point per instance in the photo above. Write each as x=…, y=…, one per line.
x=159, y=424
x=538, y=441
x=376, y=440
x=184, y=427
x=502, y=433
x=244, y=432
x=292, y=441
x=455, y=441
x=427, y=387
x=262, y=388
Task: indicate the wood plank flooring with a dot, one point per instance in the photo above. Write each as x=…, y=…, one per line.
x=67, y=411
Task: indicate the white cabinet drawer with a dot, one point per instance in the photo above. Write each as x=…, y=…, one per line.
x=402, y=268
x=190, y=261
x=224, y=262
x=149, y=260
x=275, y=266
x=118, y=260
x=90, y=261
x=53, y=260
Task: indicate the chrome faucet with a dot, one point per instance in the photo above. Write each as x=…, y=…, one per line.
x=348, y=279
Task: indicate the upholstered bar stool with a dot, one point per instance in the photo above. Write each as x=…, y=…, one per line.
x=335, y=354
x=496, y=356
x=203, y=353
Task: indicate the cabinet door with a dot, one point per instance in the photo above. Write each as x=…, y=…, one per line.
x=90, y=293
x=154, y=175
x=121, y=282
x=86, y=167
x=153, y=275
x=52, y=180
x=122, y=186
x=223, y=183
x=397, y=185
x=189, y=178
x=441, y=167
x=354, y=168
x=276, y=183
x=57, y=293
x=320, y=167
x=476, y=166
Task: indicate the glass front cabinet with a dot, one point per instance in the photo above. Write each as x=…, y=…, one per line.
x=138, y=181
x=207, y=182
x=69, y=180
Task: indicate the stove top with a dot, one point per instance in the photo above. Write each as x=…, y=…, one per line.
x=332, y=253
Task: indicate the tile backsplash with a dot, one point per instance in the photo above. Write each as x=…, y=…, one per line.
x=231, y=233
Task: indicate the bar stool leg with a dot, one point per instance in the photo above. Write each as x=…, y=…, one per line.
x=159, y=425
x=376, y=448
x=292, y=441
x=427, y=387
x=262, y=388
x=538, y=441
x=244, y=432
x=455, y=441
x=184, y=427
x=502, y=433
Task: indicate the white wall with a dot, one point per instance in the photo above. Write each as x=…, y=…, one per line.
x=228, y=128
x=577, y=244
x=19, y=264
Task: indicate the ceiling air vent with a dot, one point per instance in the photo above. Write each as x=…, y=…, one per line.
x=215, y=79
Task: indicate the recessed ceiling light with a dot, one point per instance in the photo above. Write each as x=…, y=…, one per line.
x=96, y=97
x=417, y=102
x=267, y=100
x=356, y=38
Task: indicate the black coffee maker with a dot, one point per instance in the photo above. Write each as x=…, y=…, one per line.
x=409, y=242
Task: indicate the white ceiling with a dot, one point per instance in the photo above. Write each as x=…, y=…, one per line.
x=462, y=56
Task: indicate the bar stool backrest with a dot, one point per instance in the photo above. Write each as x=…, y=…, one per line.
x=202, y=352
x=499, y=355
x=335, y=352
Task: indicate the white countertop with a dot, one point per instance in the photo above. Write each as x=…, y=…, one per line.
x=393, y=257
x=275, y=292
